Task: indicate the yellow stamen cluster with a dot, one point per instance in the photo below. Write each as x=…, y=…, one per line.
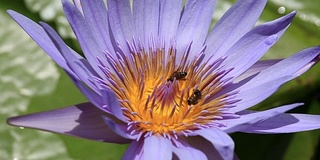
x=154, y=104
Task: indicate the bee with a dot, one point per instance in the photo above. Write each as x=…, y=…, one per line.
x=194, y=98
x=177, y=75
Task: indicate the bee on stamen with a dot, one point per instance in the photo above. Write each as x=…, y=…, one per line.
x=177, y=75
x=194, y=98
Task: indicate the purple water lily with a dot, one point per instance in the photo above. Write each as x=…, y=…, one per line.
x=157, y=79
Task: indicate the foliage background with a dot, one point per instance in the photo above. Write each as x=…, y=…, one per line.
x=31, y=82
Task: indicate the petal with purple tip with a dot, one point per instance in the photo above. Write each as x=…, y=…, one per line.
x=82, y=120
x=236, y=22
x=285, y=123
x=253, y=45
x=37, y=33
x=79, y=65
x=220, y=140
x=246, y=120
x=290, y=66
x=281, y=72
x=157, y=147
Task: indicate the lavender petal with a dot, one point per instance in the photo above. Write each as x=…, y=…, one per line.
x=285, y=123
x=246, y=120
x=220, y=140
x=112, y=103
x=121, y=22
x=79, y=65
x=170, y=11
x=134, y=151
x=236, y=22
x=281, y=72
x=186, y=152
x=82, y=120
x=96, y=15
x=194, y=26
x=37, y=33
x=253, y=45
x=146, y=16
x=256, y=68
x=153, y=144
x=84, y=35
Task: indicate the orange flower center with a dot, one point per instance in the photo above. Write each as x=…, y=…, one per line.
x=160, y=97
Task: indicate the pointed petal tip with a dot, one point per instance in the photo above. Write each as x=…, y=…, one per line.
x=318, y=57
x=66, y=4
x=21, y=121
x=16, y=121
x=291, y=15
x=9, y=11
x=11, y=121
x=271, y=40
x=13, y=13
x=294, y=12
x=64, y=1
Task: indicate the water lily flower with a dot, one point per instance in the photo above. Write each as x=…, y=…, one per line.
x=156, y=77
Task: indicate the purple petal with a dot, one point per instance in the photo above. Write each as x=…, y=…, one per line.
x=157, y=147
x=37, y=33
x=78, y=4
x=252, y=46
x=236, y=22
x=220, y=140
x=120, y=20
x=92, y=96
x=194, y=26
x=78, y=64
x=290, y=66
x=112, y=103
x=285, y=123
x=169, y=19
x=85, y=37
x=134, y=152
x=120, y=129
x=246, y=120
x=206, y=147
x=256, y=90
x=252, y=95
x=146, y=16
x=95, y=13
x=186, y=152
x=256, y=68
x=82, y=120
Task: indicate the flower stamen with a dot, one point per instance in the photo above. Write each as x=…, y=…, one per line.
x=159, y=97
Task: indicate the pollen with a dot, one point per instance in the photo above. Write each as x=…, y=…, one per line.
x=161, y=94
